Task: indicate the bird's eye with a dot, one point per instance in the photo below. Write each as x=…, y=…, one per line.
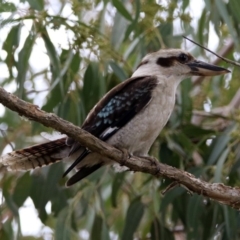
x=183, y=58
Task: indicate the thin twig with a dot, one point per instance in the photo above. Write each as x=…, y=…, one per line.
x=222, y=52
x=171, y=186
x=223, y=58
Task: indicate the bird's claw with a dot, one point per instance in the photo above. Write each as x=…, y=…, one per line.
x=125, y=156
x=154, y=162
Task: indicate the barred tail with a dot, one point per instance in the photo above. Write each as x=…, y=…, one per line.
x=36, y=156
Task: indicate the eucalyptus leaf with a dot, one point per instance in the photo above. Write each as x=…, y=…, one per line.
x=133, y=218
x=122, y=9
x=22, y=64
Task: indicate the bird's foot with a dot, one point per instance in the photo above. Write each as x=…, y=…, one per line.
x=125, y=156
x=154, y=162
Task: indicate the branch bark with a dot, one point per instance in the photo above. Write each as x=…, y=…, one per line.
x=216, y=191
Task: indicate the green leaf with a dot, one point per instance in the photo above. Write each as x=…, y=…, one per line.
x=117, y=183
x=23, y=59
x=222, y=9
x=6, y=6
x=175, y=147
x=68, y=57
x=8, y=198
x=193, y=131
x=169, y=198
x=118, y=71
x=202, y=26
x=185, y=4
x=97, y=228
x=218, y=145
x=219, y=166
x=56, y=89
x=131, y=47
x=36, y=4
x=121, y=9
x=6, y=232
x=63, y=230
x=54, y=175
x=186, y=101
x=52, y=53
x=61, y=78
x=166, y=31
x=134, y=23
x=184, y=142
x=133, y=218
x=160, y=232
x=194, y=211
x=22, y=189
x=12, y=40
x=45, y=190
x=10, y=45
x=235, y=8
x=93, y=86
x=231, y=220
x=105, y=232
x=119, y=28
x=59, y=200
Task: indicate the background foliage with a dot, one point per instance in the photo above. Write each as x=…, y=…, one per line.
x=63, y=56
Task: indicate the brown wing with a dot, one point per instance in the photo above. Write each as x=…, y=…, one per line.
x=116, y=109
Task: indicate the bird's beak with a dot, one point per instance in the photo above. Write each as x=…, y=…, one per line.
x=199, y=68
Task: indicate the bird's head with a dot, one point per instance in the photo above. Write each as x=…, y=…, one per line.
x=176, y=64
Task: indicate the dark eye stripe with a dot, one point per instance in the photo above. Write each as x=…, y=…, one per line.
x=166, y=62
x=169, y=61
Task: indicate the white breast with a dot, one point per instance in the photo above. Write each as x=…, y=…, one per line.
x=139, y=134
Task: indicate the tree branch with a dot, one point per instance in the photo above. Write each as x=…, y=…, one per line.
x=216, y=191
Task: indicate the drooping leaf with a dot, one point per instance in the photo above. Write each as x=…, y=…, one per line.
x=8, y=198
x=23, y=62
x=118, y=71
x=10, y=45
x=119, y=28
x=117, y=183
x=133, y=218
x=218, y=145
x=93, y=86
x=99, y=230
x=7, y=7
x=121, y=9
x=194, y=211
x=220, y=165
x=160, y=232
x=36, y=4
x=22, y=189
x=63, y=230
x=186, y=102
x=222, y=8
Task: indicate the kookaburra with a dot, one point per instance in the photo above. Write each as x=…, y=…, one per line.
x=130, y=116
